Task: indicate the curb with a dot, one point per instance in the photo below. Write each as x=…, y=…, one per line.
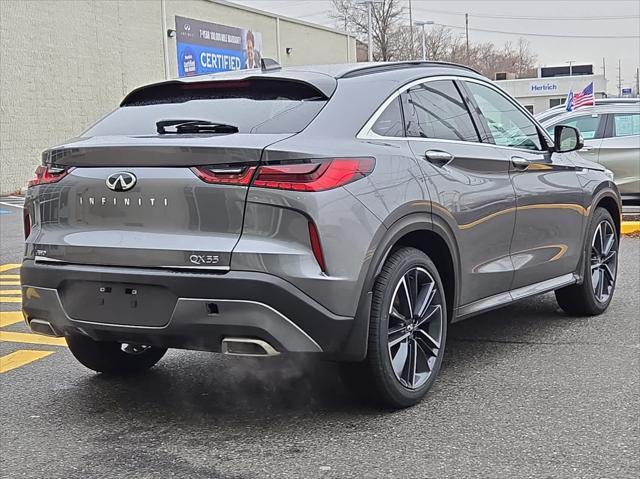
x=630, y=227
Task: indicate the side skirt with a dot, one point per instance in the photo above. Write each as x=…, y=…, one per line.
x=502, y=299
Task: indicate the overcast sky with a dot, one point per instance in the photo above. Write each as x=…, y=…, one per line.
x=598, y=20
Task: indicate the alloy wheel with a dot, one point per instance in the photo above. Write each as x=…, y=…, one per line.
x=415, y=327
x=603, y=261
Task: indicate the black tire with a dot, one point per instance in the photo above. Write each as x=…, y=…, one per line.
x=374, y=379
x=110, y=358
x=581, y=299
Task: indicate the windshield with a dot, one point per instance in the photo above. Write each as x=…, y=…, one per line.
x=257, y=106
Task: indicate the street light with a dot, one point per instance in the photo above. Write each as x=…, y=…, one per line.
x=418, y=23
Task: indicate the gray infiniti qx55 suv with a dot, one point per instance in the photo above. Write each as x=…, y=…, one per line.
x=352, y=211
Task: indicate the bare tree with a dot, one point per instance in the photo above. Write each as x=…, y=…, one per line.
x=385, y=20
x=393, y=41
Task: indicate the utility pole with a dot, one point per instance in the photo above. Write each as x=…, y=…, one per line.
x=604, y=75
x=411, y=51
x=424, y=37
x=619, y=78
x=466, y=33
x=370, y=36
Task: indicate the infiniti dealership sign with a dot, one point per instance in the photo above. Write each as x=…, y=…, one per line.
x=204, y=47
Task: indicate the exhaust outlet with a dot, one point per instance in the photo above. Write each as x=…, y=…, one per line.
x=247, y=347
x=40, y=326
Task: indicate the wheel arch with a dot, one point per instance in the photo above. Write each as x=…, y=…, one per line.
x=607, y=197
x=425, y=232
x=610, y=202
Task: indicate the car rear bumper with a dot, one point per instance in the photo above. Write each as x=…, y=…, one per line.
x=179, y=310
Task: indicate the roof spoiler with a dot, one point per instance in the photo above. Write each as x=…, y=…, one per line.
x=269, y=65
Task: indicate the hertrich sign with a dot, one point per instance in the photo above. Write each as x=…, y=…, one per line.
x=543, y=88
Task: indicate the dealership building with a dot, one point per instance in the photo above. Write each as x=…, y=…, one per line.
x=65, y=63
x=552, y=85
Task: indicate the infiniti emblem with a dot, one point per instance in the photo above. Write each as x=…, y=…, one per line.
x=122, y=181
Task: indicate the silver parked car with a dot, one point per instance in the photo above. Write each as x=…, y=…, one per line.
x=347, y=211
x=611, y=135
x=558, y=110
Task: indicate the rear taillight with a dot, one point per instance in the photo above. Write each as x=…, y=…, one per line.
x=240, y=175
x=48, y=174
x=315, y=176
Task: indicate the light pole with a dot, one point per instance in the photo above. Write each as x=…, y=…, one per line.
x=418, y=23
x=369, y=4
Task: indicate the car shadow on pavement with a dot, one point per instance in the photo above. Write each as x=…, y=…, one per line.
x=189, y=385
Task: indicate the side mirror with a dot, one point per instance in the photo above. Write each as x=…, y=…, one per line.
x=567, y=138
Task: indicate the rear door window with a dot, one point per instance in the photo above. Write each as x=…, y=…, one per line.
x=253, y=106
x=436, y=110
x=626, y=124
x=587, y=124
x=509, y=126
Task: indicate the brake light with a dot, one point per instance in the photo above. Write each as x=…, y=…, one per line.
x=240, y=175
x=316, y=176
x=316, y=247
x=48, y=174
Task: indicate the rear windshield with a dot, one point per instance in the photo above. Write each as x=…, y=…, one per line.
x=253, y=106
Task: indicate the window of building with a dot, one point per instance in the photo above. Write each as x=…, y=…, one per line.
x=556, y=101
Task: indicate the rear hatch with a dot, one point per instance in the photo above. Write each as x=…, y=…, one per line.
x=162, y=181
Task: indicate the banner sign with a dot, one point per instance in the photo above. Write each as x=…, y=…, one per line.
x=204, y=47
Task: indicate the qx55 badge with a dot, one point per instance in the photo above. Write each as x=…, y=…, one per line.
x=122, y=181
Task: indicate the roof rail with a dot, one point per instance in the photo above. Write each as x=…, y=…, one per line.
x=269, y=65
x=390, y=66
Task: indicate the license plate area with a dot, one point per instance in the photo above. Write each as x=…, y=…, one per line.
x=118, y=303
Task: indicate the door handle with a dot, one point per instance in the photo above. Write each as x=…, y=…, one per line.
x=438, y=157
x=519, y=163
x=586, y=148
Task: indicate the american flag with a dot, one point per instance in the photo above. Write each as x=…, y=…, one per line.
x=581, y=98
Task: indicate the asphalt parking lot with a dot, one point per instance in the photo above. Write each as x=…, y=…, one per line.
x=525, y=392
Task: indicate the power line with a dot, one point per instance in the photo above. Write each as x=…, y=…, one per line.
x=550, y=35
x=324, y=11
x=523, y=17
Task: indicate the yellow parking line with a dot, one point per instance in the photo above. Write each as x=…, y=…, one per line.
x=7, y=318
x=29, y=338
x=10, y=292
x=20, y=358
x=9, y=283
x=7, y=267
x=10, y=299
x=629, y=227
x=9, y=276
